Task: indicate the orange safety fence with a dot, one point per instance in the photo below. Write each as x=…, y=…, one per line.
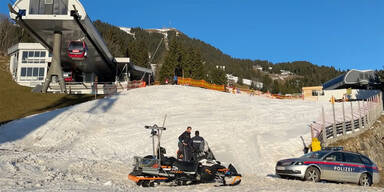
x=199, y=83
x=237, y=90
x=136, y=84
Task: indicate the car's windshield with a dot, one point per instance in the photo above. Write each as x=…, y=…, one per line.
x=315, y=155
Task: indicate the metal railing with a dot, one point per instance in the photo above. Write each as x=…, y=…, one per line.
x=85, y=88
x=106, y=88
x=358, y=116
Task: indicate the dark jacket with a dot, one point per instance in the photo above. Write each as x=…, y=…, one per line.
x=198, y=143
x=185, y=138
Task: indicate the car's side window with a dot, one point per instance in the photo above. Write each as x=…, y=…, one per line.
x=366, y=160
x=334, y=157
x=352, y=158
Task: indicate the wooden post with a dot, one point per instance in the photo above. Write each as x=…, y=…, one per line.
x=95, y=86
x=366, y=111
x=381, y=102
x=375, y=108
x=344, y=127
x=311, y=126
x=360, y=122
x=352, y=120
x=323, y=125
x=334, y=120
x=380, y=105
x=369, y=104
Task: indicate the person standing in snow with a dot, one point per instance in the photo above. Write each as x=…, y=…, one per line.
x=185, y=144
x=198, y=142
x=175, y=80
x=198, y=145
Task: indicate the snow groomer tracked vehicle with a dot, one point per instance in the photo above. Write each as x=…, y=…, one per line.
x=157, y=168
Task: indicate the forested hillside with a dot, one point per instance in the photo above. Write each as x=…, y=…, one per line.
x=189, y=57
x=143, y=43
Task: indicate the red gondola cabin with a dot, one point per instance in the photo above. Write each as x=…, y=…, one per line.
x=77, y=50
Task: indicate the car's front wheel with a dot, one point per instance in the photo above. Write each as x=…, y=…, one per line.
x=312, y=174
x=365, y=180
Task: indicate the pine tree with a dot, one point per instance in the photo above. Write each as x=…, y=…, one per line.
x=240, y=81
x=275, y=87
x=197, y=65
x=173, y=62
x=139, y=54
x=217, y=76
x=187, y=62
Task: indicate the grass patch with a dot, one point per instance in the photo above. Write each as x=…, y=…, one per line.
x=17, y=101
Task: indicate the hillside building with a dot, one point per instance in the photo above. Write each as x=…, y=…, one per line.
x=285, y=72
x=257, y=68
x=258, y=85
x=232, y=79
x=29, y=63
x=247, y=82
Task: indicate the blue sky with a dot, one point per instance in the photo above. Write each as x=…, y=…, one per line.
x=345, y=34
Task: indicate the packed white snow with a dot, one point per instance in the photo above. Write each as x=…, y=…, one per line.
x=90, y=147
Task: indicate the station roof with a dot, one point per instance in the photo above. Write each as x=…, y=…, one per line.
x=25, y=46
x=352, y=78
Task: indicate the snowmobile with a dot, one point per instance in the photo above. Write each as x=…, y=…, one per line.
x=152, y=170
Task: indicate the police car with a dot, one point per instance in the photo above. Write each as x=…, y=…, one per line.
x=331, y=165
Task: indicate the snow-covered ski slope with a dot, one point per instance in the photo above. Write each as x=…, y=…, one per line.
x=90, y=147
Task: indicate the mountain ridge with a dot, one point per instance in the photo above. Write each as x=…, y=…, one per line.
x=305, y=73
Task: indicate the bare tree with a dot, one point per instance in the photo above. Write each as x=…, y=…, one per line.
x=10, y=34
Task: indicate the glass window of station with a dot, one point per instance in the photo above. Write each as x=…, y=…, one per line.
x=32, y=73
x=48, y=7
x=34, y=57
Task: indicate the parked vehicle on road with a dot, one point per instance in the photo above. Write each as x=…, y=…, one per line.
x=331, y=165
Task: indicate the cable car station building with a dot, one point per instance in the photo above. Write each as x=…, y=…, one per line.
x=354, y=84
x=64, y=29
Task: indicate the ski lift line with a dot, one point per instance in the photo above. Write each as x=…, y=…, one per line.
x=122, y=71
x=77, y=17
x=20, y=21
x=158, y=46
x=142, y=77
